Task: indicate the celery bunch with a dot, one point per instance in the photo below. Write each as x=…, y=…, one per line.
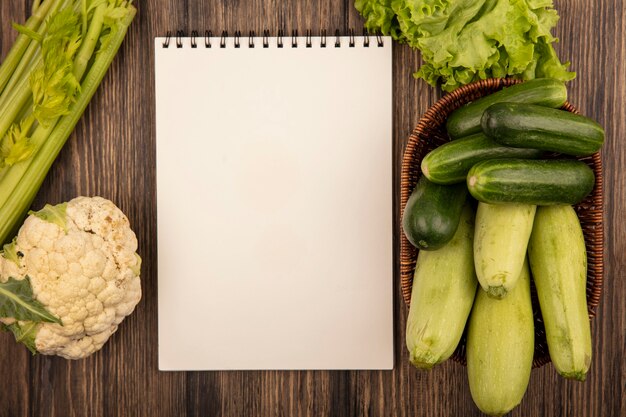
x=46, y=81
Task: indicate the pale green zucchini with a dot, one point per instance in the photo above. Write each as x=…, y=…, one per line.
x=500, y=242
x=443, y=291
x=500, y=347
x=558, y=260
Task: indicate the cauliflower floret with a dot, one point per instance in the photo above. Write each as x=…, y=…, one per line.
x=83, y=267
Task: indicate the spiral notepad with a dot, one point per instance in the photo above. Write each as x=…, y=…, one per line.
x=274, y=201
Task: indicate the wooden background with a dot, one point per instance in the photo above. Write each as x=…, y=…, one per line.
x=112, y=153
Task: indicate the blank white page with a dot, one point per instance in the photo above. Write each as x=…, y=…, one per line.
x=274, y=205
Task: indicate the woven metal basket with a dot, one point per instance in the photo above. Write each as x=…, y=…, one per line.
x=428, y=134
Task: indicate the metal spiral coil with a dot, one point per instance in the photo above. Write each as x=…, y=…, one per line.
x=266, y=35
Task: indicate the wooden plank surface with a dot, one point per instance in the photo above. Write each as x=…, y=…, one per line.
x=112, y=153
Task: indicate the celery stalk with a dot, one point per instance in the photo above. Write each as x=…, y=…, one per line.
x=32, y=55
x=30, y=59
x=17, y=51
x=11, y=178
x=13, y=105
x=90, y=41
x=23, y=194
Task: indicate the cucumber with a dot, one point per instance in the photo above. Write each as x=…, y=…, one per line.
x=539, y=182
x=558, y=261
x=531, y=126
x=500, y=242
x=500, y=348
x=432, y=213
x=450, y=162
x=542, y=91
x=443, y=291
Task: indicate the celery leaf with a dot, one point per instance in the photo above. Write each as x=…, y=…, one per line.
x=16, y=146
x=28, y=32
x=54, y=84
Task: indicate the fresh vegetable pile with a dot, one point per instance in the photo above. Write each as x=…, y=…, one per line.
x=510, y=150
x=46, y=81
x=462, y=41
x=71, y=275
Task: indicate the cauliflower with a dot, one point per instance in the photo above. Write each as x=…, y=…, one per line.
x=80, y=258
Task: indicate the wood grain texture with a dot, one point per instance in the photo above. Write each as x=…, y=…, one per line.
x=112, y=153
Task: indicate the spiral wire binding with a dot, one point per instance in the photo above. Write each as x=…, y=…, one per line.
x=168, y=36
x=266, y=41
x=179, y=38
x=279, y=41
x=251, y=37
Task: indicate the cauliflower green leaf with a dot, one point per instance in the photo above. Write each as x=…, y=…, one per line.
x=53, y=214
x=24, y=333
x=10, y=252
x=17, y=301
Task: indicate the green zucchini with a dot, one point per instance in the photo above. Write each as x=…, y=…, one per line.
x=432, y=213
x=539, y=182
x=542, y=91
x=450, y=162
x=558, y=261
x=500, y=242
x=500, y=348
x=443, y=291
x=531, y=126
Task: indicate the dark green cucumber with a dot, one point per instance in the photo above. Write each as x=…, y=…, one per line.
x=542, y=91
x=450, y=163
x=539, y=182
x=530, y=126
x=432, y=214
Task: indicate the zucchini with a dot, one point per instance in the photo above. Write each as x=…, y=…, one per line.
x=432, y=213
x=558, y=261
x=450, y=162
x=500, y=242
x=531, y=126
x=539, y=182
x=443, y=291
x=500, y=348
x=542, y=91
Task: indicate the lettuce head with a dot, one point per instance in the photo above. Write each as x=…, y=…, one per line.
x=462, y=41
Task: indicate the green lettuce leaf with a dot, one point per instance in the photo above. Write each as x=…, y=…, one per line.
x=462, y=41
